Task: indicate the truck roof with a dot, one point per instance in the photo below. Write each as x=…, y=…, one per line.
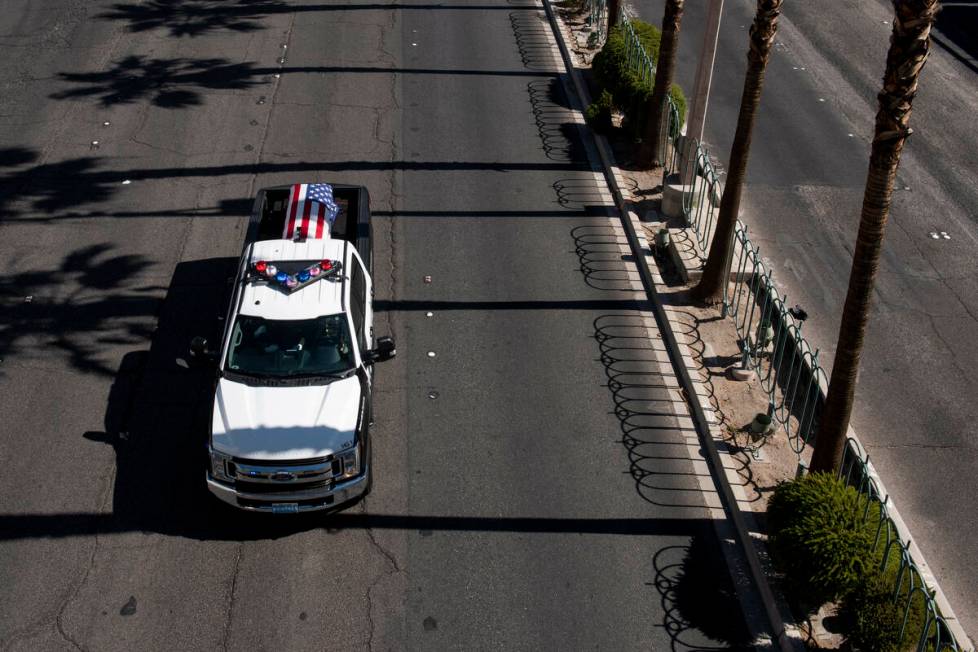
x=323, y=297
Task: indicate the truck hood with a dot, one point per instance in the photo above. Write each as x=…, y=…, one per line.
x=285, y=423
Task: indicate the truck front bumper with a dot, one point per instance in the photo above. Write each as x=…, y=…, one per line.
x=286, y=502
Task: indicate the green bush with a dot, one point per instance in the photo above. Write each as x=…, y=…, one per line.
x=610, y=65
x=636, y=111
x=629, y=92
x=874, y=617
x=598, y=114
x=819, y=537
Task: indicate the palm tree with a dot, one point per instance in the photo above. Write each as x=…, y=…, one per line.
x=650, y=153
x=909, y=46
x=614, y=6
x=710, y=287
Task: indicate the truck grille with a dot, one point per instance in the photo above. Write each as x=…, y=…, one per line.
x=286, y=487
x=276, y=477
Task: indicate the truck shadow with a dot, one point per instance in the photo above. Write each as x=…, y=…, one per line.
x=156, y=420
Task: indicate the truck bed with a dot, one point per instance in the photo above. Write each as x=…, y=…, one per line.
x=352, y=222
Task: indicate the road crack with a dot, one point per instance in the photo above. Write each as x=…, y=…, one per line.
x=226, y=633
x=63, y=607
x=393, y=568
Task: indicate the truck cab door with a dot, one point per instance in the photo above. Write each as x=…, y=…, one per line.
x=361, y=306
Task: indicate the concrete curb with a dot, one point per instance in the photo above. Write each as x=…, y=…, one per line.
x=739, y=521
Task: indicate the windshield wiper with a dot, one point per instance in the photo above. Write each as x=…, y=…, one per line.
x=336, y=376
x=285, y=378
x=251, y=374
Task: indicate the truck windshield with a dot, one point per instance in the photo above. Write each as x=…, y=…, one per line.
x=283, y=348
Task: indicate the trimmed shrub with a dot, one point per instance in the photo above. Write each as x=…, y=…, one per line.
x=629, y=92
x=819, y=538
x=874, y=617
x=610, y=65
x=638, y=108
x=598, y=114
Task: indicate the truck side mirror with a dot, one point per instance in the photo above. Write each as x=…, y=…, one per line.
x=385, y=350
x=199, y=352
x=198, y=347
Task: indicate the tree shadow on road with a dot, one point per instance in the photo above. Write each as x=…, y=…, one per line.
x=83, y=307
x=168, y=83
x=62, y=189
x=702, y=610
x=195, y=17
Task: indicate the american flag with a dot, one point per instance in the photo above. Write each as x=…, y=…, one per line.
x=312, y=211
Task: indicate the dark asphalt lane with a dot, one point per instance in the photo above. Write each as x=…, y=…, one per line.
x=915, y=409
x=506, y=510
x=506, y=389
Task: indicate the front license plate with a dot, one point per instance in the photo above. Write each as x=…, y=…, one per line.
x=285, y=508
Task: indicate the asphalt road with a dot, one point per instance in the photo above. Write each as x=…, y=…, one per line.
x=507, y=512
x=915, y=407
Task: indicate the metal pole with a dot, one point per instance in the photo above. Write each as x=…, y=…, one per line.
x=704, y=77
x=704, y=71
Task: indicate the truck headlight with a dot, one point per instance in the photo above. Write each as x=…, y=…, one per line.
x=350, y=463
x=219, y=465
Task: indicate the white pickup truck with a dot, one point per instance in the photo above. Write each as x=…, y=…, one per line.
x=290, y=428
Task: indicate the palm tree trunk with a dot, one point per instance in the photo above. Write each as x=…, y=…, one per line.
x=614, y=6
x=762, y=32
x=909, y=46
x=650, y=153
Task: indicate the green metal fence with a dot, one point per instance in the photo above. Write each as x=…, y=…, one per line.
x=701, y=204
x=597, y=19
x=773, y=345
x=639, y=61
x=772, y=342
x=910, y=590
x=787, y=365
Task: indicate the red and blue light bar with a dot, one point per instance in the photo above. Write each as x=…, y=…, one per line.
x=269, y=272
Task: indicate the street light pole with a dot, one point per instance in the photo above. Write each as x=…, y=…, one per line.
x=704, y=77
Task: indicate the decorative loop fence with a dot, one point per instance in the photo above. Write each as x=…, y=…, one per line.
x=910, y=589
x=701, y=204
x=639, y=61
x=786, y=364
x=772, y=344
x=597, y=11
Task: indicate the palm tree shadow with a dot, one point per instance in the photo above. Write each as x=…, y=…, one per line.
x=80, y=308
x=193, y=18
x=167, y=83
